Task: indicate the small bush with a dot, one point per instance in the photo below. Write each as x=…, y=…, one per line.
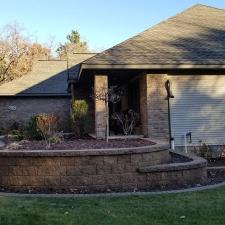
x=80, y=118
x=126, y=120
x=47, y=123
x=31, y=130
x=15, y=132
x=14, y=126
x=16, y=135
x=203, y=151
x=56, y=138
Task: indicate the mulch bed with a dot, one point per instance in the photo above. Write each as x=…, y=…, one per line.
x=216, y=162
x=78, y=144
x=216, y=176
x=175, y=158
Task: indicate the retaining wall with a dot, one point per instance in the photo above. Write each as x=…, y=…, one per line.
x=89, y=170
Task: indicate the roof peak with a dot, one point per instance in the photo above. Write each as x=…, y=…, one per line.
x=204, y=5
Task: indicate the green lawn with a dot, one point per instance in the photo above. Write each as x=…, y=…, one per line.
x=203, y=208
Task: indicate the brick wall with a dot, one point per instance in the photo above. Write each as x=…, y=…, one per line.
x=100, y=83
x=154, y=110
x=20, y=109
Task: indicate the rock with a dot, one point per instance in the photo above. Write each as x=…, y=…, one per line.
x=182, y=217
x=2, y=144
x=14, y=146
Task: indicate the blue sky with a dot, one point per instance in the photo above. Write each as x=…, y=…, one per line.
x=103, y=23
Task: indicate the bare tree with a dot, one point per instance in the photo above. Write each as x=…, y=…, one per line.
x=17, y=53
x=52, y=46
x=108, y=95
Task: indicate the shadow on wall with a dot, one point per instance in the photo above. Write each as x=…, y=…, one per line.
x=43, y=90
x=200, y=99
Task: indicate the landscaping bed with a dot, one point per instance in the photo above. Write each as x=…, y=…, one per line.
x=77, y=144
x=216, y=176
x=216, y=162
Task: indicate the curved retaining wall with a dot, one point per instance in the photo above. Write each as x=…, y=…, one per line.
x=173, y=175
x=83, y=170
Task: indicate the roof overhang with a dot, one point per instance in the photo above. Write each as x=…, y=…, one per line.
x=34, y=95
x=149, y=66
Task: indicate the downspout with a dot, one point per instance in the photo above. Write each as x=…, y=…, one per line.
x=72, y=91
x=187, y=134
x=169, y=96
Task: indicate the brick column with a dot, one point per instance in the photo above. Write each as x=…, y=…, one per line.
x=143, y=83
x=101, y=82
x=153, y=110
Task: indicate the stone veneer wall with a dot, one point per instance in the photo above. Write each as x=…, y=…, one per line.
x=94, y=170
x=21, y=109
x=154, y=110
x=100, y=83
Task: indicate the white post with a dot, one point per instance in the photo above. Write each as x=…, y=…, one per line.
x=172, y=145
x=185, y=142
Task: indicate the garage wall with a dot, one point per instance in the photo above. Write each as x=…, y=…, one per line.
x=199, y=107
x=20, y=109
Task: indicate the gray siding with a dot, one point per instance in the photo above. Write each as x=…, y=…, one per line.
x=199, y=107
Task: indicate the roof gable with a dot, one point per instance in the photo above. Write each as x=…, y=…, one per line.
x=193, y=37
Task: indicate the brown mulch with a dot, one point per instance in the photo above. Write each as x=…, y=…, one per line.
x=216, y=162
x=78, y=144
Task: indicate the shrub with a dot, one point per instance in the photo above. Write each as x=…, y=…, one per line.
x=14, y=126
x=47, y=123
x=31, y=130
x=204, y=151
x=15, y=132
x=16, y=135
x=127, y=120
x=80, y=118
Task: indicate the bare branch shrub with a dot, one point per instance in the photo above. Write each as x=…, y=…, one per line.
x=127, y=120
x=48, y=125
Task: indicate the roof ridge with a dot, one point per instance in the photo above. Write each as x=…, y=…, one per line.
x=208, y=6
x=51, y=60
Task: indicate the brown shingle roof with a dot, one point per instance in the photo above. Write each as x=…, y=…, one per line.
x=48, y=77
x=74, y=63
x=193, y=37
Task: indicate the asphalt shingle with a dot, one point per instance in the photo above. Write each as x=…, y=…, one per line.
x=47, y=78
x=193, y=37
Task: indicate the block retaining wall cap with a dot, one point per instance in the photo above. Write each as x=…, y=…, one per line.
x=84, y=152
x=195, y=163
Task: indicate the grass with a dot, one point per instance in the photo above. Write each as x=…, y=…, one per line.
x=203, y=208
